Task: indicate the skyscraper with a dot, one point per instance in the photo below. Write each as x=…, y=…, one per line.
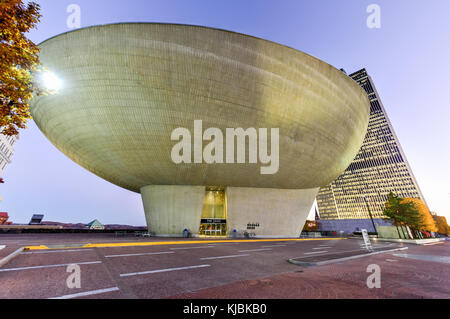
x=6, y=151
x=379, y=167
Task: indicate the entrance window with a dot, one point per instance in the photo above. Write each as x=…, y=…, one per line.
x=214, y=213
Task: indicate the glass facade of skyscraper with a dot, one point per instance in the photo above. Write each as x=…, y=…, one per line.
x=6, y=151
x=379, y=167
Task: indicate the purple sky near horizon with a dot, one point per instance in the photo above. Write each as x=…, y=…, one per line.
x=408, y=58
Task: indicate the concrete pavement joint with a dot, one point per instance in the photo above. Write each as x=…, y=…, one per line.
x=87, y=293
x=162, y=270
x=50, y=266
x=221, y=257
x=141, y=254
x=55, y=251
x=260, y=249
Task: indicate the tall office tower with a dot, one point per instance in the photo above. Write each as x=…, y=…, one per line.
x=379, y=168
x=6, y=151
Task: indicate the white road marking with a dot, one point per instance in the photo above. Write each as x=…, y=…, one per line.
x=141, y=254
x=180, y=248
x=322, y=247
x=220, y=257
x=261, y=249
x=275, y=246
x=54, y=251
x=316, y=252
x=87, y=293
x=347, y=251
x=392, y=260
x=442, y=259
x=437, y=243
x=51, y=266
x=162, y=270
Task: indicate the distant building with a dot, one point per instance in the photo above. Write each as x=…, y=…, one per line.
x=6, y=151
x=311, y=225
x=4, y=219
x=95, y=224
x=379, y=167
x=36, y=219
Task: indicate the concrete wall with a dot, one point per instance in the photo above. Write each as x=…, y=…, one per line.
x=169, y=209
x=279, y=212
x=391, y=232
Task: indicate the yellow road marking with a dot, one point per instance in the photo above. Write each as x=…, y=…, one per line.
x=155, y=243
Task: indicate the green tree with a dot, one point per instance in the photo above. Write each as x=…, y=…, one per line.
x=413, y=218
x=392, y=211
x=18, y=59
x=402, y=213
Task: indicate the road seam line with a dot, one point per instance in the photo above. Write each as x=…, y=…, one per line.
x=141, y=254
x=11, y=256
x=162, y=270
x=87, y=293
x=220, y=257
x=316, y=252
x=275, y=246
x=182, y=248
x=261, y=249
x=50, y=266
x=55, y=251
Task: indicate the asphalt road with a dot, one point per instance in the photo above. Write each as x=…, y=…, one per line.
x=168, y=271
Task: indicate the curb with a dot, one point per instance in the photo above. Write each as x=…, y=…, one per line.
x=336, y=260
x=11, y=256
x=420, y=242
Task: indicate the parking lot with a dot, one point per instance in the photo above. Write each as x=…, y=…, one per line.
x=176, y=268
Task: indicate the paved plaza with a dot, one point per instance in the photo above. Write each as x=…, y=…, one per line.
x=130, y=267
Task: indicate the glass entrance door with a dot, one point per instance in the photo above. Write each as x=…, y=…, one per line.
x=214, y=213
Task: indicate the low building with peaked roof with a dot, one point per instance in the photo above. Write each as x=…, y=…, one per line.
x=95, y=224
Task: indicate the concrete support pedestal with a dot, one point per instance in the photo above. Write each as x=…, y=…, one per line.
x=169, y=209
x=279, y=213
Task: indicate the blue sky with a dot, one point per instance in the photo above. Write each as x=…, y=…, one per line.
x=408, y=59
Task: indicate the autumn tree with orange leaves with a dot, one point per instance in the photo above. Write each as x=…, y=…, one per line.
x=441, y=224
x=427, y=222
x=18, y=60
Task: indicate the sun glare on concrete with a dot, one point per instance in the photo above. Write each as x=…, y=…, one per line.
x=51, y=81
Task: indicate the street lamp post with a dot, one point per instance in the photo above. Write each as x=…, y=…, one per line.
x=370, y=214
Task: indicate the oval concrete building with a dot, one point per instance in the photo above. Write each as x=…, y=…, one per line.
x=277, y=123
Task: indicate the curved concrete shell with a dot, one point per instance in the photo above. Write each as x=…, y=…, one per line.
x=126, y=87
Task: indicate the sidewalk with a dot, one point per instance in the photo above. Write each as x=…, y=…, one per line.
x=401, y=278
x=413, y=241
